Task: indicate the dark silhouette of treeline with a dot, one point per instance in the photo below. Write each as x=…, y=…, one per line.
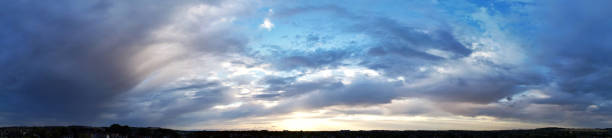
x=119, y=131
x=114, y=131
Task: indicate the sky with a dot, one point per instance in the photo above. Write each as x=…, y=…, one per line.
x=307, y=64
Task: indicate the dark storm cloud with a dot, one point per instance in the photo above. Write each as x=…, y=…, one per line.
x=576, y=43
x=63, y=62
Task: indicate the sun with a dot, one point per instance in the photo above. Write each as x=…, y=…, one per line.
x=308, y=122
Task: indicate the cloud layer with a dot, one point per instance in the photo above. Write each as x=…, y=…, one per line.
x=214, y=65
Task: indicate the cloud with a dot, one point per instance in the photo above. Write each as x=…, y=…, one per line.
x=170, y=105
x=434, y=65
x=191, y=62
x=555, y=77
x=316, y=59
x=68, y=62
x=576, y=50
x=393, y=42
x=76, y=58
x=573, y=44
x=360, y=92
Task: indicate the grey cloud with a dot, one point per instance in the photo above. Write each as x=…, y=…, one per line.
x=315, y=95
x=272, y=96
x=68, y=59
x=575, y=44
x=475, y=88
x=398, y=38
x=579, y=115
x=415, y=106
x=571, y=44
x=312, y=39
x=275, y=80
x=169, y=106
x=67, y=62
x=402, y=49
x=376, y=111
x=71, y=62
x=297, y=89
x=316, y=59
x=360, y=92
x=276, y=83
x=214, y=43
x=328, y=92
